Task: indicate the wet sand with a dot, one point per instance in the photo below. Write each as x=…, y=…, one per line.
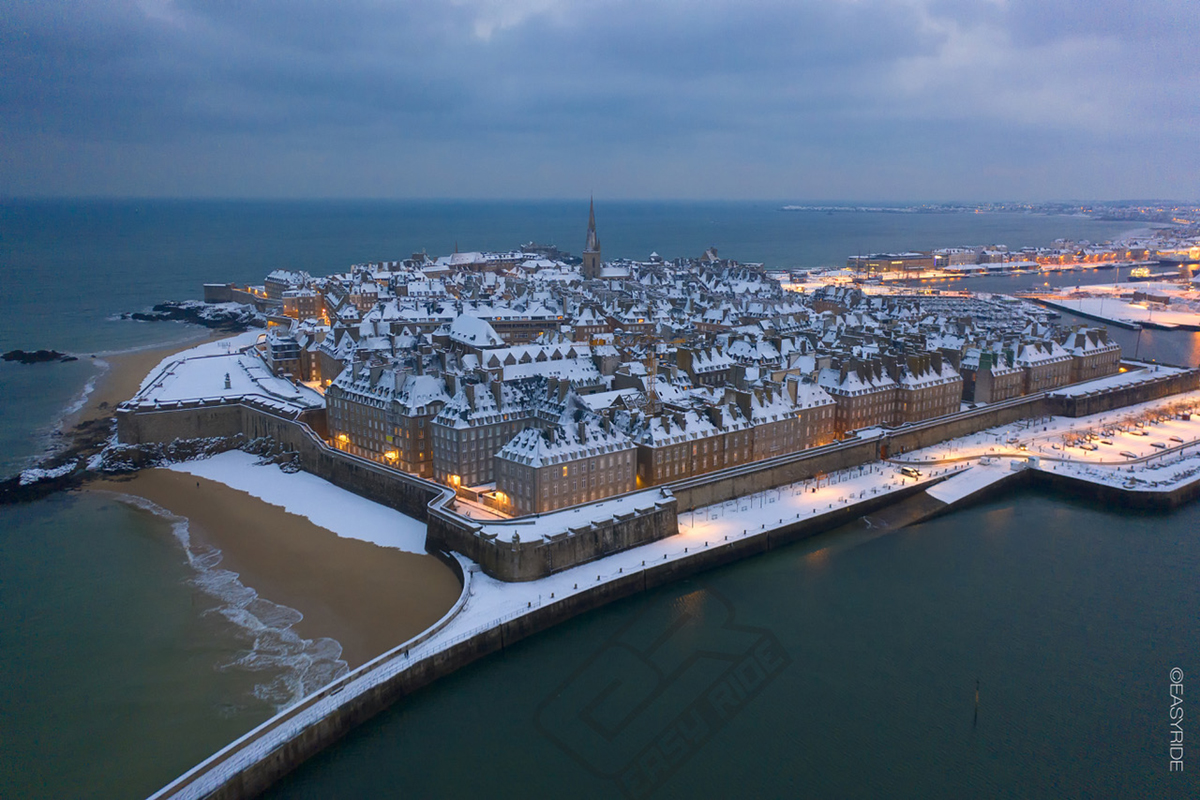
x=368, y=598
x=124, y=375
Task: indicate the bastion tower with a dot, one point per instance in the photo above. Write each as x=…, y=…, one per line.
x=591, y=250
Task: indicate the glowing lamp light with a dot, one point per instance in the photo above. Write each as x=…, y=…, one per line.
x=391, y=455
x=343, y=438
x=455, y=480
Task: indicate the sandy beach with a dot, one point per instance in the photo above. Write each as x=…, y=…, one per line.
x=369, y=598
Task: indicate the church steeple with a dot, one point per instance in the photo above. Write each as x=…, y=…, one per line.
x=591, y=249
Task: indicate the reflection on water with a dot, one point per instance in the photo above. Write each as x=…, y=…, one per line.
x=1069, y=617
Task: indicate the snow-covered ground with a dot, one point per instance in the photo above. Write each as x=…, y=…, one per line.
x=967, y=483
x=1105, y=301
x=338, y=510
x=1130, y=378
x=233, y=344
x=233, y=376
x=1131, y=451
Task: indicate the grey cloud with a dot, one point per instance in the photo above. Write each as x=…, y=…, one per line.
x=310, y=96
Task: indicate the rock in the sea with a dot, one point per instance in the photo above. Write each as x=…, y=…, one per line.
x=225, y=317
x=36, y=356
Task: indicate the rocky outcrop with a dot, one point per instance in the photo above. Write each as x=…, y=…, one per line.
x=36, y=356
x=224, y=317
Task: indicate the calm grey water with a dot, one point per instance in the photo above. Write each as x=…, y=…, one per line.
x=112, y=654
x=1070, y=617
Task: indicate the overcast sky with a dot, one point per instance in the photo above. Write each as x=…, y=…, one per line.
x=828, y=99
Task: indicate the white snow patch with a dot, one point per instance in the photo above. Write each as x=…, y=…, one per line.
x=968, y=483
x=220, y=347
x=37, y=474
x=334, y=509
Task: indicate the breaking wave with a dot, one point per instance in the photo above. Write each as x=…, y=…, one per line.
x=82, y=399
x=286, y=666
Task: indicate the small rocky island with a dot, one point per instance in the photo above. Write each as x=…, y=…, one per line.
x=222, y=317
x=36, y=356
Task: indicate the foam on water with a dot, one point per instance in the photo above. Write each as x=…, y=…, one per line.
x=286, y=666
x=82, y=399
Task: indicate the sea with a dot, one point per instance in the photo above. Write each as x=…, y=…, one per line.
x=121, y=662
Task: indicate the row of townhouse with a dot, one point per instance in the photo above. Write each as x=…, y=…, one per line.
x=891, y=390
x=747, y=425
x=582, y=458
x=481, y=418
x=999, y=371
x=386, y=414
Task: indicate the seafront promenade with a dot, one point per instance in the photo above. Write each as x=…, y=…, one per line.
x=491, y=614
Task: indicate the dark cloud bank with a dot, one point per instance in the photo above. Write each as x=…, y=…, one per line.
x=900, y=99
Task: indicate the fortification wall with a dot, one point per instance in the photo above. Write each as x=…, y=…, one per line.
x=199, y=422
x=964, y=424
x=719, y=487
x=1082, y=405
x=534, y=557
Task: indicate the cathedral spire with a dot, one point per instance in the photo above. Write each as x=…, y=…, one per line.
x=593, y=243
x=591, y=249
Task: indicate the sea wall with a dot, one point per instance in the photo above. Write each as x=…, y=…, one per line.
x=283, y=757
x=295, y=437
x=1156, y=388
x=747, y=479
x=523, y=558
x=536, y=556
x=1115, y=496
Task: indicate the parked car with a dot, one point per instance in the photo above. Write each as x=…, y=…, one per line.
x=1177, y=439
x=1128, y=454
x=1158, y=445
x=1106, y=441
x=910, y=472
